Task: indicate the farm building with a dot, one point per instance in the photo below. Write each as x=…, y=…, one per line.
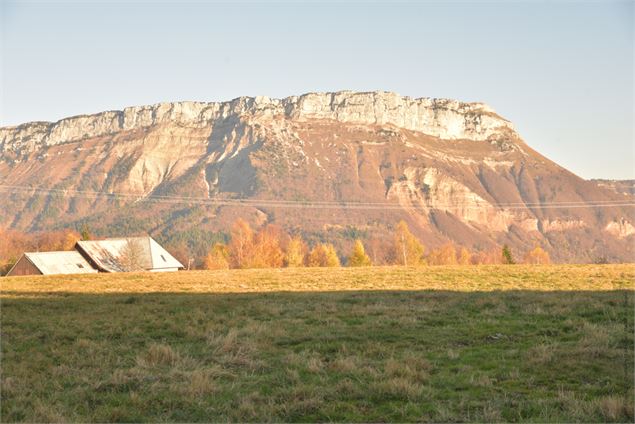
x=50, y=263
x=128, y=254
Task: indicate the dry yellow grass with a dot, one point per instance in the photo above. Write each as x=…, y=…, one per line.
x=455, y=278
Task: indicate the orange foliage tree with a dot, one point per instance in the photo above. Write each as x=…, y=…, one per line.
x=358, y=256
x=407, y=249
x=13, y=243
x=241, y=246
x=537, y=256
x=217, y=258
x=445, y=255
x=465, y=257
x=489, y=257
x=267, y=250
x=295, y=252
x=255, y=250
x=323, y=255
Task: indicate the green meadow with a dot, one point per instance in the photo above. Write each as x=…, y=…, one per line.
x=478, y=343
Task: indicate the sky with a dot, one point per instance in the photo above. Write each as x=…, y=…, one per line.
x=561, y=71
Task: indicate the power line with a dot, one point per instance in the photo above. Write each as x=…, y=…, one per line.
x=308, y=204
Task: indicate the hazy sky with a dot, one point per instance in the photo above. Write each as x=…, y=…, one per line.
x=562, y=71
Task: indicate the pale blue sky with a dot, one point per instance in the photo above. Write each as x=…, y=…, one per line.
x=562, y=71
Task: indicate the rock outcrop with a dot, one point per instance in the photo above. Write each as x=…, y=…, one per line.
x=442, y=118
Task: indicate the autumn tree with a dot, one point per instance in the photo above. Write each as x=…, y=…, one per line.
x=379, y=250
x=241, y=246
x=267, y=252
x=489, y=257
x=323, y=255
x=465, y=257
x=217, y=258
x=255, y=250
x=506, y=256
x=358, y=256
x=408, y=250
x=295, y=252
x=445, y=255
x=537, y=256
x=70, y=238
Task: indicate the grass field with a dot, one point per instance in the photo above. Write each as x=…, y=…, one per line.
x=487, y=343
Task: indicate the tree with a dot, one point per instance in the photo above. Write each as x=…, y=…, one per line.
x=296, y=251
x=242, y=244
x=465, y=257
x=408, y=250
x=379, y=250
x=358, y=256
x=85, y=233
x=332, y=260
x=323, y=255
x=267, y=252
x=445, y=255
x=181, y=252
x=537, y=256
x=506, y=256
x=131, y=256
x=217, y=258
x=489, y=257
x=70, y=238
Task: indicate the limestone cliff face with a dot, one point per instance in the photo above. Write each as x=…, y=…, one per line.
x=442, y=118
x=455, y=171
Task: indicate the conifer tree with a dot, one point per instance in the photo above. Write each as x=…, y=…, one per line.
x=85, y=233
x=323, y=255
x=358, y=256
x=506, y=256
x=332, y=260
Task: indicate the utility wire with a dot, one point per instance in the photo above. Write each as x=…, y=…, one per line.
x=309, y=204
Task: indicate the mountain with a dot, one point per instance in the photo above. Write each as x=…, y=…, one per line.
x=619, y=186
x=332, y=166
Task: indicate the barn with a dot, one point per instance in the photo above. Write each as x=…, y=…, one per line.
x=51, y=263
x=116, y=255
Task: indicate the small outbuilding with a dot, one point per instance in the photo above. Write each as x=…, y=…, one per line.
x=51, y=263
x=127, y=254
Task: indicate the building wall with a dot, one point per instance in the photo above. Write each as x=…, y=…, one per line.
x=164, y=270
x=24, y=267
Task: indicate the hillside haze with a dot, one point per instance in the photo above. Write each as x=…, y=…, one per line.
x=331, y=166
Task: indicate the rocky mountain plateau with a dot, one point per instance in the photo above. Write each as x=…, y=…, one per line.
x=331, y=166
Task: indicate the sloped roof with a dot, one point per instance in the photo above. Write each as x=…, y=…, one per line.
x=71, y=262
x=107, y=254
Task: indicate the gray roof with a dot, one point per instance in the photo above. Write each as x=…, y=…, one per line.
x=60, y=262
x=107, y=254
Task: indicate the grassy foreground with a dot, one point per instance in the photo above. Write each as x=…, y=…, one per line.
x=489, y=343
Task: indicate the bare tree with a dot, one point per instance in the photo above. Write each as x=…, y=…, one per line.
x=131, y=257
